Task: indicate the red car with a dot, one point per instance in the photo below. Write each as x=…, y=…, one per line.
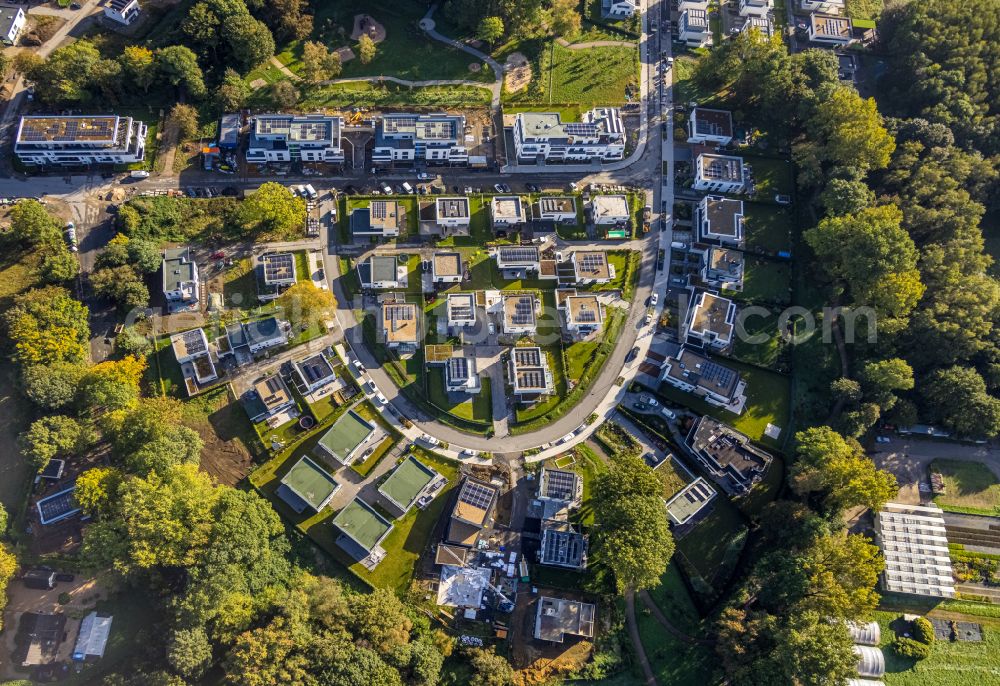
x=218, y=254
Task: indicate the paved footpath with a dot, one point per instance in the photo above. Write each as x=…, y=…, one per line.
x=633, y=632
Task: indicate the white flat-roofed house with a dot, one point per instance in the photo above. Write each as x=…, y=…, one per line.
x=460, y=375
x=519, y=314
x=122, y=11
x=275, y=273
x=557, y=617
x=720, y=267
x=400, y=327
x=543, y=136
x=194, y=356
x=517, y=261
x=446, y=267
x=80, y=140
x=706, y=125
x=381, y=219
x=719, y=173
x=691, y=500
x=693, y=28
x=756, y=8
x=609, y=210
x=507, y=212
x=437, y=139
x=12, y=22
x=294, y=137
x=710, y=321
x=762, y=24
x=719, y=221
x=591, y=266
x=830, y=30
x=562, y=209
x=452, y=213
x=583, y=314
x=716, y=384
x=381, y=271
x=618, y=9
x=314, y=372
x=461, y=309
x=530, y=375
x=914, y=544
x=824, y=6
x=180, y=280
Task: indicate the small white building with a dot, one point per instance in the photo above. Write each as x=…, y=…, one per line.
x=314, y=372
x=756, y=8
x=460, y=375
x=381, y=219
x=720, y=267
x=618, y=9
x=519, y=314
x=122, y=11
x=452, y=213
x=12, y=22
x=591, y=266
x=824, y=6
x=181, y=285
x=830, y=30
x=530, y=375
x=517, y=261
x=719, y=173
x=719, y=221
x=446, y=267
x=561, y=209
x=707, y=125
x=693, y=28
x=582, y=314
x=461, y=309
x=609, y=210
x=508, y=212
x=710, y=321
x=399, y=327
x=382, y=271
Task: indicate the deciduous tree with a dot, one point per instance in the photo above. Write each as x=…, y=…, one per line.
x=47, y=325
x=956, y=398
x=490, y=30
x=272, y=212
x=54, y=436
x=318, y=63
x=185, y=118
x=366, y=49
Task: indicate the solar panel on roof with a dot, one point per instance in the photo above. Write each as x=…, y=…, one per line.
x=519, y=254
x=477, y=495
x=593, y=263
x=193, y=342
x=580, y=129
x=524, y=311
x=560, y=485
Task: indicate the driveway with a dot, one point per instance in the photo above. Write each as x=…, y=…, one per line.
x=908, y=458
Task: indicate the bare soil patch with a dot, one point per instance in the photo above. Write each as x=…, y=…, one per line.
x=518, y=72
x=364, y=24
x=475, y=67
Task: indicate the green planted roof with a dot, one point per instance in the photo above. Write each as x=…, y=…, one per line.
x=310, y=482
x=345, y=435
x=362, y=523
x=407, y=481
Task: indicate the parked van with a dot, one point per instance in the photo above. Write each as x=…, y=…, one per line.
x=407, y=187
x=668, y=413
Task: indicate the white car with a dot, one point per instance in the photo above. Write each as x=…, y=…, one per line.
x=360, y=367
x=668, y=413
x=568, y=437
x=381, y=399
x=407, y=187
x=470, y=452
x=882, y=439
x=649, y=400
x=491, y=328
x=139, y=174
x=653, y=299
x=423, y=176
x=372, y=387
x=387, y=189
x=429, y=440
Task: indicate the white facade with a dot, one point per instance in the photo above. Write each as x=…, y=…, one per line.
x=830, y=29
x=452, y=213
x=693, y=28
x=520, y=316
x=561, y=209
x=756, y=8
x=711, y=320
x=706, y=125
x=618, y=9
x=12, y=22
x=719, y=173
x=719, y=221
x=609, y=210
x=180, y=278
x=80, y=140
x=461, y=309
x=288, y=137
x=446, y=267
x=582, y=314
x=544, y=136
x=122, y=11
x=714, y=383
x=432, y=138
x=823, y=6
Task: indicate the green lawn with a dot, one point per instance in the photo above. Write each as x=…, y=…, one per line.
x=592, y=77
x=767, y=227
x=949, y=664
x=771, y=176
x=710, y=551
x=673, y=476
x=765, y=282
x=970, y=487
x=588, y=465
x=672, y=660
x=406, y=52
x=578, y=358
x=351, y=94
x=766, y=353
x=477, y=407
x=685, y=88
x=767, y=402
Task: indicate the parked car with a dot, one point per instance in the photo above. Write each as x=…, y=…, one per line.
x=654, y=298
x=668, y=413
x=407, y=188
x=783, y=199
x=360, y=367
x=568, y=437
x=498, y=188
x=649, y=400
x=429, y=440
x=387, y=189
x=491, y=328
x=381, y=399
x=632, y=354
x=882, y=439
x=469, y=452
x=572, y=186
x=423, y=176
x=139, y=174
x=371, y=386
x=532, y=188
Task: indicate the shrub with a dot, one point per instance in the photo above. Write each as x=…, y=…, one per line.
x=64, y=598
x=907, y=647
x=923, y=630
